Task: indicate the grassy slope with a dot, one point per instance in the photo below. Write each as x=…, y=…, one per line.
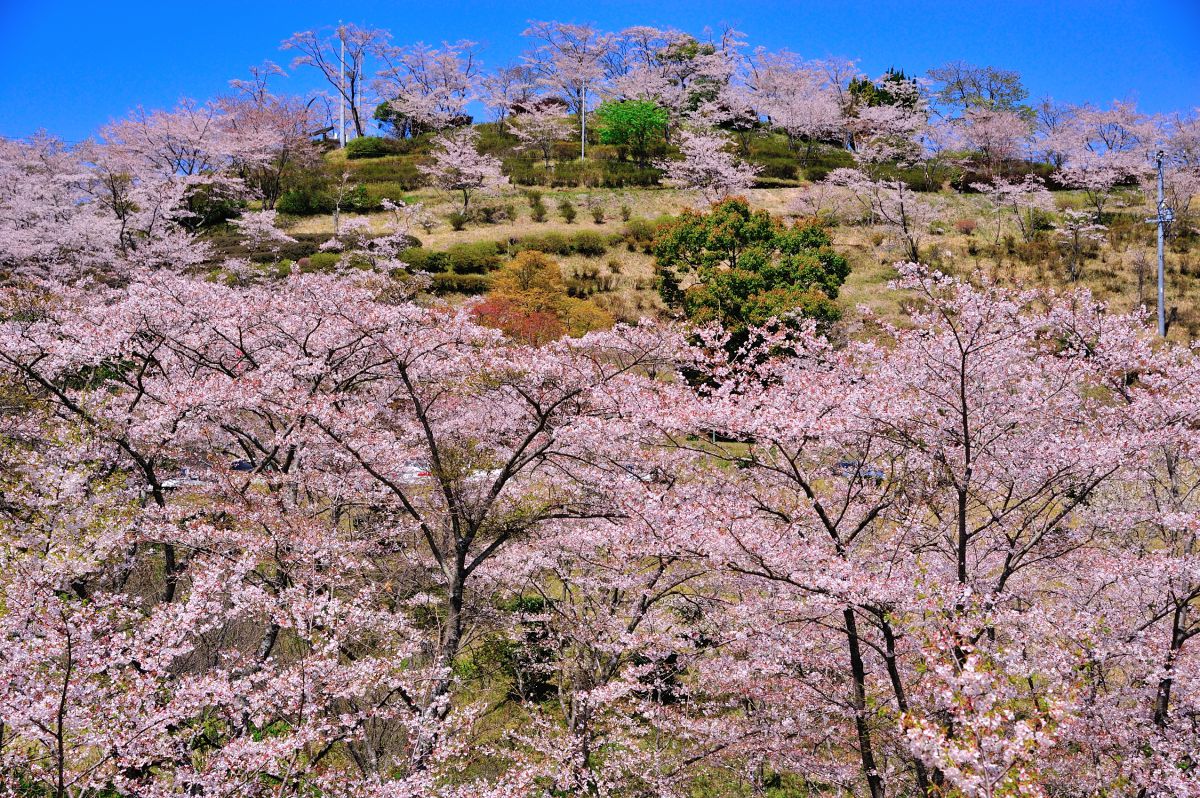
x=1111, y=273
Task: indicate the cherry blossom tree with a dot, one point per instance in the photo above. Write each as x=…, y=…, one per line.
x=318, y=455
x=1078, y=231
x=707, y=167
x=269, y=136
x=568, y=60
x=1105, y=147
x=795, y=99
x=506, y=87
x=672, y=68
x=626, y=588
x=895, y=520
x=50, y=221
x=1052, y=123
x=891, y=203
x=1181, y=175
x=1029, y=202
x=539, y=126
x=326, y=534
x=887, y=133
x=164, y=175
x=458, y=166
x=999, y=136
x=322, y=50
x=427, y=86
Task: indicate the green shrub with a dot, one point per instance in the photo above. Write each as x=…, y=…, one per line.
x=816, y=174
x=367, y=147
x=525, y=172
x=589, y=243
x=746, y=267
x=304, y=202
x=320, y=262
x=633, y=125
x=458, y=220
x=377, y=192
x=399, y=169
x=474, y=258
x=639, y=233
x=423, y=260
x=208, y=208
x=566, y=209
x=550, y=243
x=778, y=168
x=448, y=283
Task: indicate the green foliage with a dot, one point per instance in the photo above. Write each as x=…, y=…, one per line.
x=227, y=243
x=492, y=213
x=537, y=210
x=424, y=260
x=566, y=209
x=304, y=202
x=589, y=243
x=635, y=125
x=521, y=658
x=449, y=283
x=963, y=86
x=208, y=207
x=399, y=169
x=550, y=243
x=586, y=242
x=320, y=262
x=815, y=174
x=315, y=199
x=458, y=220
x=495, y=138
x=639, y=234
x=475, y=258
x=888, y=90
x=778, y=168
x=367, y=147
x=596, y=172
x=740, y=268
x=481, y=257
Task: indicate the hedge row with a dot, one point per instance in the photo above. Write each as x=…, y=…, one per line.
x=481, y=257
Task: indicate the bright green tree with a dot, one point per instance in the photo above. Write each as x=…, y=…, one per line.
x=740, y=267
x=633, y=125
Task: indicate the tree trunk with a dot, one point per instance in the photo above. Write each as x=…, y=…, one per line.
x=437, y=707
x=889, y=658
x=1162, y=699
x=858, y=700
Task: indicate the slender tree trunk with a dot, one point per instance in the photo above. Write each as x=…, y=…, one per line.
x=858, y=700
x=889, y=658
x=60, y=749
x=1162, y=699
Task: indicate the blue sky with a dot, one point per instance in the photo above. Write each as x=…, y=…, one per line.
x=69, y=67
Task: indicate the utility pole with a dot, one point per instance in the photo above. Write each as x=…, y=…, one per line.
x=583, y=124
x=342, y=87
x=1162, y=217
